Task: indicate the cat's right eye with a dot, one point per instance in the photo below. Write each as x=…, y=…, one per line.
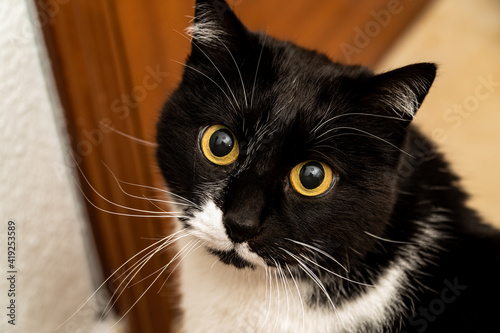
x=312, y=178
x=219, y=145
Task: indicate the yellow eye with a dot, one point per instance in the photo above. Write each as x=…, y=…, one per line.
x=219, y=145
x=311, y=178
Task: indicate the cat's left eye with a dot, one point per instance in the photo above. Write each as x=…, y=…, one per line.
x=312, y=178
x=219, y=145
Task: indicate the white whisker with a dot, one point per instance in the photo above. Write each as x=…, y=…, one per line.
x=161, y=190
x=257, y=70
x=283, y=282
x=111, y=202
x=336, y=274
x=314, y=248
x=143, y=142
x=172, y=238
x=364, y=132
x=321, y=124
x=300, y=297
x=278, y=300
x=134, y=270
x=193, y=248
x=122, y=214
x=386, y=240
x=237, y=68
x=136, y=196
x=205, y=75
x=215, y=66
x=145, y=291
x=109, y=278
x=313, y=276
x=268, y=278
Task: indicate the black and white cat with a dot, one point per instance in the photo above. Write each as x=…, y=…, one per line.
x=315, y=205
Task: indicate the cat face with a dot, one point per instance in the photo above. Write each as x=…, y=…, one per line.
x=281, y=151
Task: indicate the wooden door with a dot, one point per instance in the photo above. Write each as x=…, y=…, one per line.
x=115, y=63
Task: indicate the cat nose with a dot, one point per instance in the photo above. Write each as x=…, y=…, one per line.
x=240, y=228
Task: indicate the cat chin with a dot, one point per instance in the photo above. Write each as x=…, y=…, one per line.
x=231, y=258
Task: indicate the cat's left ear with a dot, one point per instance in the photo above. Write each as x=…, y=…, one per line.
x=400, y=92
x=215, y=26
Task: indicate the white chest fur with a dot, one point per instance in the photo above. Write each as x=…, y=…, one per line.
x=220, y=298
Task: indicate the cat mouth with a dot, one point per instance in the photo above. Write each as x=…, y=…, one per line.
x=231, y=258
x=239, y=255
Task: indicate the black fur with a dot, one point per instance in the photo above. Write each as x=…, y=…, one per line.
x=391, y=182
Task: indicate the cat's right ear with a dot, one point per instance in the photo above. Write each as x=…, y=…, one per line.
x=215, y=26
x=400, y=92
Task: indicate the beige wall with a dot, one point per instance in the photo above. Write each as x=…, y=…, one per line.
x=463, y=38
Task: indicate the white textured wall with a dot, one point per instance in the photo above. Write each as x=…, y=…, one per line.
x=54, y=275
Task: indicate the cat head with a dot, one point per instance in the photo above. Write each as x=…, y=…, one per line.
x=278, y=148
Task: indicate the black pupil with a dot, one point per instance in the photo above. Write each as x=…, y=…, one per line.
x=312, y=175
x=221, y=142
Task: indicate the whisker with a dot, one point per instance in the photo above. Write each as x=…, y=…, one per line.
x=167, y=240
x=387, y=240
x=114, y=203
x=122, y=214
x=364, y=132
x=143, y=142
x=319, y=126
x=209, y=59
x=195, y=247
x=106, y=281
x=237, y=68
x=283, y=282
x=134, y=270
x=136, y=196
x=208, y=77
x=145, y=291
x=278, y=301
x=338, y=275
x=257, y=70
x=313, y=276
x=151, y=202
x=161, y=268
x=314, y=248
x=162, y=190
x=300, y=297
x=268, y=275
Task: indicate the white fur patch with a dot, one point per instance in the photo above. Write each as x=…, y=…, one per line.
x=207, y=225
x=221, y=298
x=404, y=101
x=207, y=29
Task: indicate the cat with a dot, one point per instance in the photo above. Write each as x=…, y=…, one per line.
x=314, y=205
